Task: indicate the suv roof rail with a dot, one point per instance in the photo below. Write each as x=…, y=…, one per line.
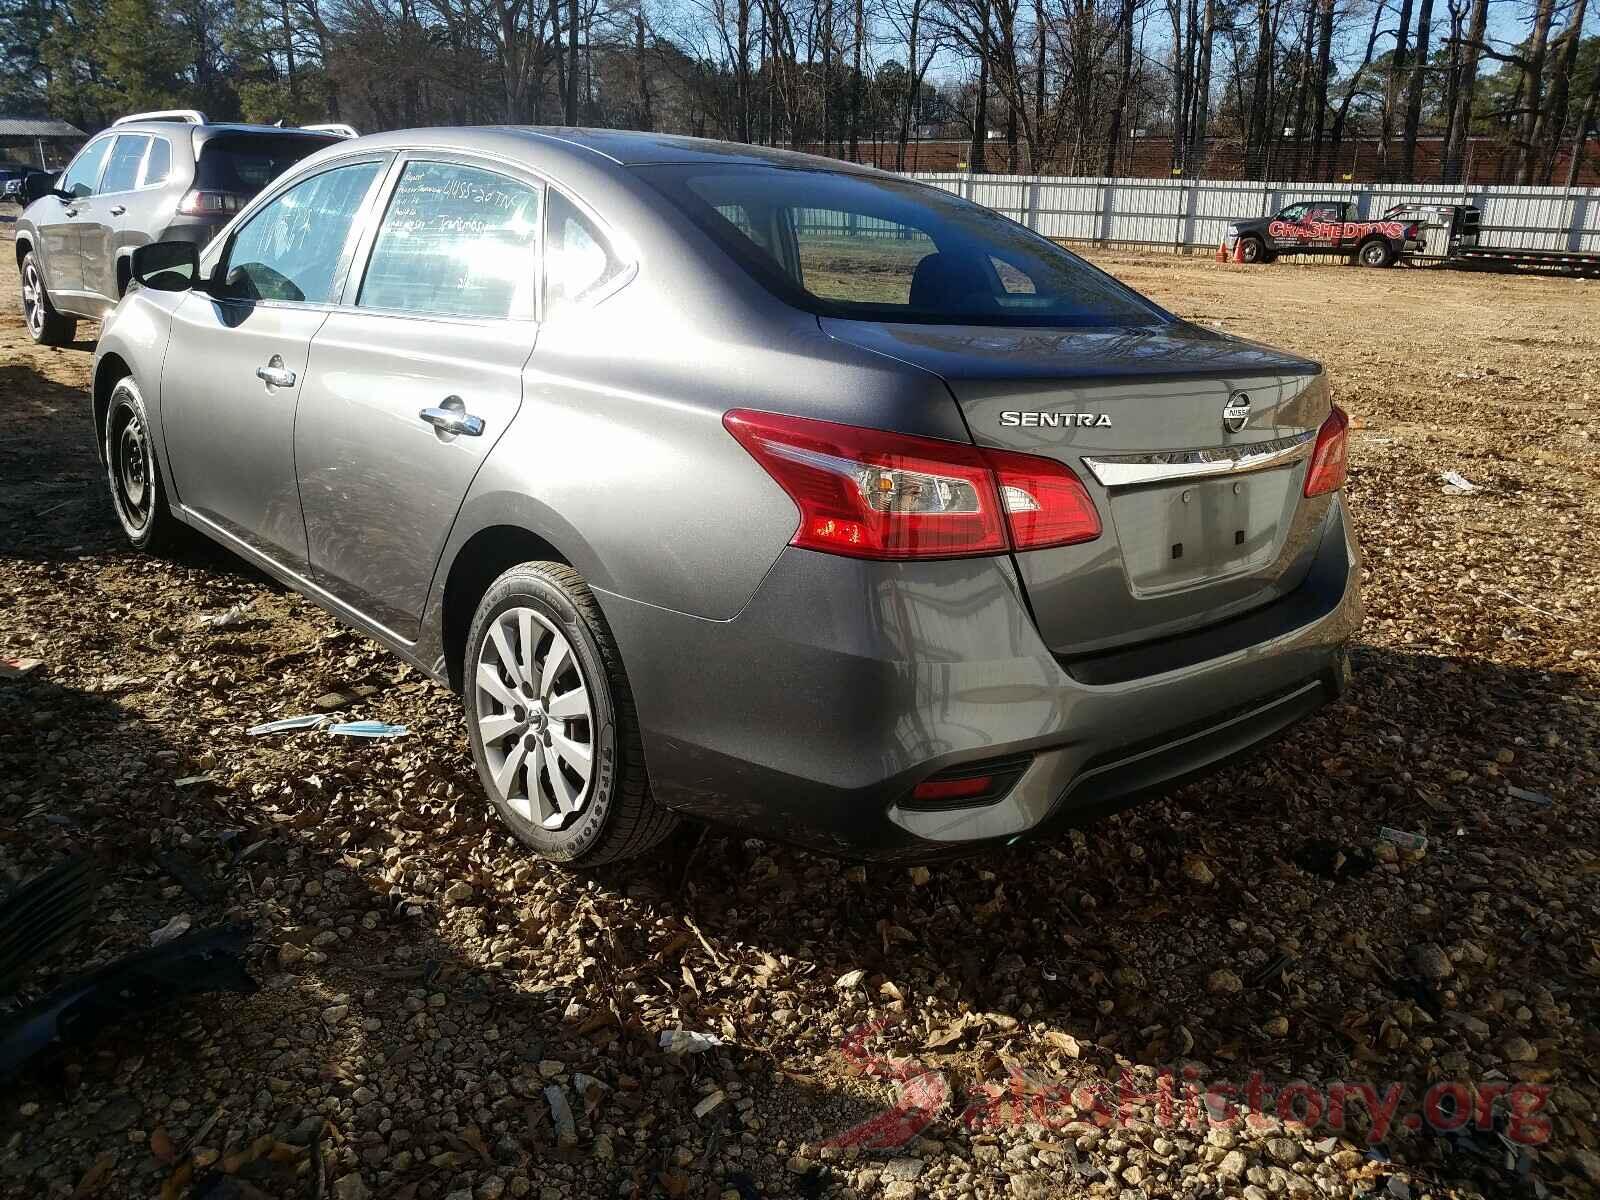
x=337, y=128
x=190, y=116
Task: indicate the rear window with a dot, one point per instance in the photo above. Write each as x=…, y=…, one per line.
x=244, y=163
x=877, y=248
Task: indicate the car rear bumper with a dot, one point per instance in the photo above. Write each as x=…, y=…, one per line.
x=811, y=715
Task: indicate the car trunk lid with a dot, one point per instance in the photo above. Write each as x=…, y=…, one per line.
x=1193, y=445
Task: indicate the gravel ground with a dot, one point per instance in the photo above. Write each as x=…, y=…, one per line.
x=426, y=991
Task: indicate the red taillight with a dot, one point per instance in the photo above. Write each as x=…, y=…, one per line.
x=1045, y=503
x=1331, y=456
x=869, y=493
x=201, y=203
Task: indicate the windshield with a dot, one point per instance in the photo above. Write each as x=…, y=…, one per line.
x=878, y=248
x=245, y=163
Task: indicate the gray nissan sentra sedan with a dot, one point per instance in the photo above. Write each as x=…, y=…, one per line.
x=742, y=485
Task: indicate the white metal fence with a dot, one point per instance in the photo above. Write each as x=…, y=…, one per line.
x=1180, y=214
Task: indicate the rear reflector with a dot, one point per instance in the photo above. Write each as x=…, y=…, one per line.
x=969, y=784
x=1330, y=458
x=868, y=493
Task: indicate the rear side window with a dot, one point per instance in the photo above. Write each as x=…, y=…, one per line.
x=159, y=163
x=291, y=249
x=873, y=247
x=85, y=172
x=457, y=241
x=580, y=261
x=122, y=172
x=244, y=163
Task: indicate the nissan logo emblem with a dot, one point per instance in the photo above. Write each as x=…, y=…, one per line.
x=1236, y=413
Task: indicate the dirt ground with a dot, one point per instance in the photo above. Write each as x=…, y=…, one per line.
x=425, y=990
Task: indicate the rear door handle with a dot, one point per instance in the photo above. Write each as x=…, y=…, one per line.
x=117, y=210
x=275, y=374
x=452, y=417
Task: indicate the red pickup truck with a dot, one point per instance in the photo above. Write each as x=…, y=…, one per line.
x=1323, y=227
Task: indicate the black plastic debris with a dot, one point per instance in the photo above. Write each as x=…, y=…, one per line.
x=40, y=917
x=1329, y=860
x=199, y=961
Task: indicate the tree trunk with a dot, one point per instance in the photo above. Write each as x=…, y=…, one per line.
x=1585, y=124
x=1256, y=144
x=977, y=162
x=1336, y=137
x=1554, y=119
x=1034, y=164
x=855, y=84
x=1124, y=85
x=1461, y=119
x=1201, y=95
x=1324, y=58
x=1419, y=66
x=1397, y=69
x=1533, y=90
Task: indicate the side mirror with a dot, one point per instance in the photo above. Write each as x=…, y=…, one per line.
x=36, y=186
x=167, y=266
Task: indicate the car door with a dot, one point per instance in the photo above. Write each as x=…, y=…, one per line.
x=1324, y=223
x=58, y=221
x=101, y=215
x=238, y=358
x=415, y=379
x=1287, y=230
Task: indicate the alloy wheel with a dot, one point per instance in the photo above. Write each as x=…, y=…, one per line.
x=535, y=718
x=32, y=299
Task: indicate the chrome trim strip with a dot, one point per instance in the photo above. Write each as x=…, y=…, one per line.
x=1167, y=466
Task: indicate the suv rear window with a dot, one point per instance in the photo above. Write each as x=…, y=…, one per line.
x=873, y=247
x=244, y=163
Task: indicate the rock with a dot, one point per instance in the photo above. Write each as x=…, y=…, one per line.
x=1029, y=1186
x=459, y=893
x=289, y=954
x=1283, y=1150
x=1128, y=977
x=549, y=1068
x=709, y=1105
x=335, y=1013
x=1431, y=962
x=351, y=1187
x=919, y=876
x=1277, y=1026
x=850, y=980
x=899, y=1190
x=1519, y=1049
x=1223, y=982
x=1232, y=1167
x=1196, y=871
x=491, y=1187
x=1589, y=1163
x=904, y=1168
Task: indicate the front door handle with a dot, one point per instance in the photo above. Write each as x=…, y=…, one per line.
x=275, y=374
x=117, y=210
x=452, y=417
x=72, y=212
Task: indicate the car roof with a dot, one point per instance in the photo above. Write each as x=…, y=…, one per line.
x=623, y=147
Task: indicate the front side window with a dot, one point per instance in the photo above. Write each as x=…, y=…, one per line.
x=579, y=260
x=1294, y=212
x=85, y=172
x=291, y=249
x=873, y=247
x=456, y=241
x=122, y=171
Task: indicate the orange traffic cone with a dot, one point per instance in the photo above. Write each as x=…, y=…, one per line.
x=1222, y=250
x=1238, y=251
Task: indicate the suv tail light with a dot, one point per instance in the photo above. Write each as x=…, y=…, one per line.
x=203, y=203
x=868, y=493
x=1330, y=458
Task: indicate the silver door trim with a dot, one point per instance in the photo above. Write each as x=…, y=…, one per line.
x=1168, y=466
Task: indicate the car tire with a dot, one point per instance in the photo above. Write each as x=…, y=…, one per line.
x=138, y=493
x=1252, y=249
x=544, y=690
x=1375, y=253
x=45, y=325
